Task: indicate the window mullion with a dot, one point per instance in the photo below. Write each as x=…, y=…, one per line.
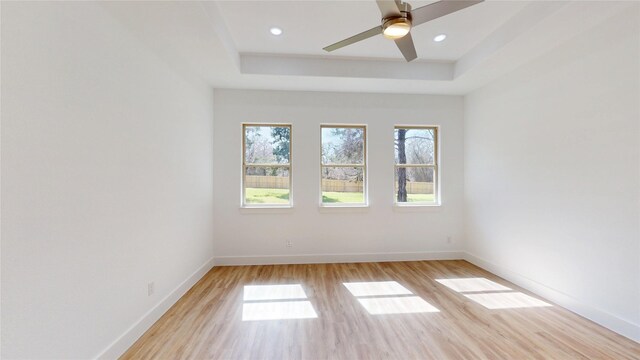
x=343, y=165
x=267, y=165
x=416, y=165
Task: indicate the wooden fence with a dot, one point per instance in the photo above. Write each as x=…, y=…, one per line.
x=415, y=187
x=281, y=182
x=341, y=185
x=267, y=182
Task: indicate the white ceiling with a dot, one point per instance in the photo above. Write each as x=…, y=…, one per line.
x=227, y=44
x=311, y=25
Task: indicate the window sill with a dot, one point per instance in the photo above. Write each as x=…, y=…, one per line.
x=417, y=208
x=343, y=208
x=273, y=209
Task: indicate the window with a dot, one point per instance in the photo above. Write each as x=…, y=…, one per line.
x=416, y=165
x=266, y=165
x=343, y=165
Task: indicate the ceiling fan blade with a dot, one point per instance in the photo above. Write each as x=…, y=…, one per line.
x=354, y=39
x=441, y=8
x=389, y=8
x=405, y=44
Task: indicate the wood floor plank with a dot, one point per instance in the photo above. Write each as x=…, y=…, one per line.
x=207, y=322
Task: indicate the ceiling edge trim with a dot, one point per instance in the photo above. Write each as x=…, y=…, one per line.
x=266, y=64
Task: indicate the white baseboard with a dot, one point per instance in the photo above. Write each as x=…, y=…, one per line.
x=132, y=334
x=611, y=322
x=336, y=258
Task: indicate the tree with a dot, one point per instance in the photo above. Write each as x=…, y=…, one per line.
x=402, y=159
x=280, y=137
x=251, y=134
x=420, y=152
x=351, y=146
x=258, y=151
x=349, y=149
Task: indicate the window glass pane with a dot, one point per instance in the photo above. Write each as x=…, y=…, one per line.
x=415, y=185
x=267, y=144
x=415, y=146
x=342, y=185
x=266, y=185
x=343, y=145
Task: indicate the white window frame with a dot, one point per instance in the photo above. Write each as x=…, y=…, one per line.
x=244, y=166
x=365, y=182
x=435, y=166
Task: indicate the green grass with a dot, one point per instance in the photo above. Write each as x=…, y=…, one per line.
x=419, y=197
x=281, y=196
x=342, y=197
x=354, y=197
x=266, y=196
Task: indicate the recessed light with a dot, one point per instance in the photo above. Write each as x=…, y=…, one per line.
x=275, y=31
x=440, y=38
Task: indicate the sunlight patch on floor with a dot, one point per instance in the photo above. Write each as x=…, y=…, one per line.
x=509, y=300
x=388, y=297
x=376, y=288
x=396, y=305
x=472, y=285
x=279, y=310
x=490, y=294
x=259, y=303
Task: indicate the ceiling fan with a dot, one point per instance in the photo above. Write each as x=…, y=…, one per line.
x=398, y=18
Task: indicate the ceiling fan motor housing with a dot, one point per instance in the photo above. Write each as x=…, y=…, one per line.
x=395, y=27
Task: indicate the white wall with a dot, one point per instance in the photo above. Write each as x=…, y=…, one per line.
x=106, y=180
x=255, y=236
x=552, y=175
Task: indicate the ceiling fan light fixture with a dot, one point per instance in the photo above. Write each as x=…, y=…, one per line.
x=396, y=28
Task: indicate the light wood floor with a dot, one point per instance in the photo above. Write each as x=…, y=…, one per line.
x=208, y=321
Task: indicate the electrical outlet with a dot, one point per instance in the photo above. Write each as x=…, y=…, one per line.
x=151, y=288
x=449, y=240
x=289, y=243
